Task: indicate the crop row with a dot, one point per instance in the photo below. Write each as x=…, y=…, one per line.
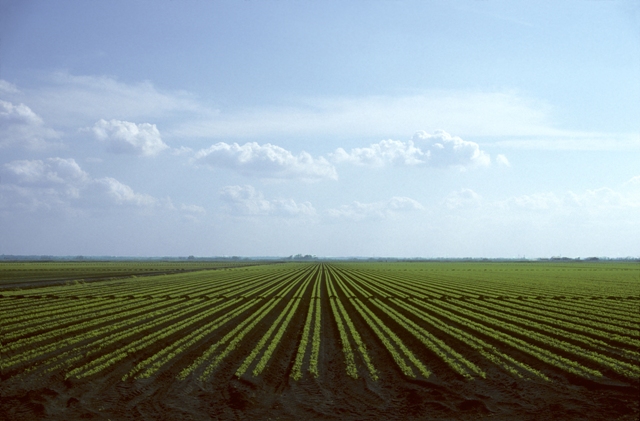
x=418, y=322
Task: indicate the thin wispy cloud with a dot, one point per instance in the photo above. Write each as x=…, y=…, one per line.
x=246, y=200
x=358, y=211
x=61, y=185
x=23, y=128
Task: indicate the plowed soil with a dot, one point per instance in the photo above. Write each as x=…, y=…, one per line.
x=274, y=395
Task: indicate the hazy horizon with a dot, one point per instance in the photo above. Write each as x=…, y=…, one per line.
x=454, y=129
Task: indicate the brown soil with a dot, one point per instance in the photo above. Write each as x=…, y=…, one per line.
x=332, y=396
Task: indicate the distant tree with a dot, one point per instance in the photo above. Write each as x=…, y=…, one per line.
x=191, y=257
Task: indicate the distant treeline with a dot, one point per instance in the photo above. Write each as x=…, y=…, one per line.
x=308, y=257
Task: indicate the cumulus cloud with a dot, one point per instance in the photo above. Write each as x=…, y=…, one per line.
x=246, y=200
x=60, y=183
x=437, y=150
x=385, y=152
x=56, y=173
x=464, y=198
x=125, y=137
x=19, y=125
x=447, y=150
x=377, y=210
x=267, y=161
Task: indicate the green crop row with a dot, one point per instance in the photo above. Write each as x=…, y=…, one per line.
x=59, y=342
x=488, y=351
x=286, y=315
x=78, y=313
x=152, y=364
x=296, y=371
x=34, y=342
x=149, y=366
x=560, y=328
x=452, y=358
x=233, y=337
x=340, y=313
x=626, y=369
x=388, y=337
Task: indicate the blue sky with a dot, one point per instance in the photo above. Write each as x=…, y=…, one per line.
x=389, y=128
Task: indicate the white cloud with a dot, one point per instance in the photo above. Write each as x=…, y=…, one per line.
x=8, y=87
x=464, y=198
x=393, y=152
x=20, y=126
x=377, y=210
x=59, y=183
x=447, y=150
x=502, y=161
x=129, y=138
x=268, y=161
x=121, y=193
x=437, y=150
x=246, y=200
x=51, y=173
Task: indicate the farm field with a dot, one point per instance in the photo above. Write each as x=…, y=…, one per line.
x=326, y=340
